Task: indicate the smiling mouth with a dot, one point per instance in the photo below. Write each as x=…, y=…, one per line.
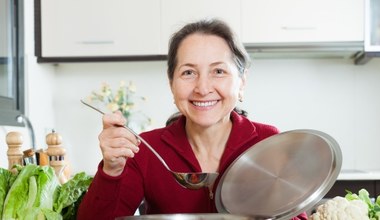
x=204, y=104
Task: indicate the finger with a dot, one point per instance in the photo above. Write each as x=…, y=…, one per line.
x=121, y=143
x=123, y=120
x=115, y=154
x=118, y=137
x=115, y=130
x=111, y=144
x=113, y=119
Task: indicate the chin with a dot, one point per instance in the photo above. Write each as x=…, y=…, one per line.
x=207, y=123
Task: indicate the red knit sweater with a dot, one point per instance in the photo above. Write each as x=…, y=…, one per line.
x=144, y=177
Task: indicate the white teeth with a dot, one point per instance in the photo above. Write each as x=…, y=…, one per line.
x=205, y=104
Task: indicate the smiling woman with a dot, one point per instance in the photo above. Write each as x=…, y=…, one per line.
x=206, y=71
x=11, y=66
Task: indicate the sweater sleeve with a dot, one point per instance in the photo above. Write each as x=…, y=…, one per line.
x=103, y=198
x=302, y=216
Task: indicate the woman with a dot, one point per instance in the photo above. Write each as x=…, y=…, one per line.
x=207, y=70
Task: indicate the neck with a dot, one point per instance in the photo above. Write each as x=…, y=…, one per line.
x=208, y=143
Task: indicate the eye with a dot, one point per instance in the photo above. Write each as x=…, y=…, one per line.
x=220, y=72
x=187, y=74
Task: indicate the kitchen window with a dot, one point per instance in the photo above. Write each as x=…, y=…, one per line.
x=11, y=62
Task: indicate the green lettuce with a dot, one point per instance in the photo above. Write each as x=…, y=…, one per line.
x=5, y=177
x=34, y=193
x=31, y=193
x=69, y=195
x=17, y=195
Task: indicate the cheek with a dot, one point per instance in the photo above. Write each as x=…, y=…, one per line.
x=231, y=88
x=178, y=91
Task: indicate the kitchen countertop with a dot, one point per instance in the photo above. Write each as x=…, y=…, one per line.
x=351, y=174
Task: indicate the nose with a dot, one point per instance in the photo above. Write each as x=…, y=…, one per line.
x=204, y=85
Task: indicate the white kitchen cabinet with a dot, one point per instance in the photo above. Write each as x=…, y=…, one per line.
x=176, y=13
x=276, y=21
x=372, y=31
x=98, y=28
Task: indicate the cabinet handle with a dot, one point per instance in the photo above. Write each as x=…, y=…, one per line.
x=97, y=42
x=289, y=28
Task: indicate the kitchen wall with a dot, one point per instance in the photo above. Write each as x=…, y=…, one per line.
x=331, y=95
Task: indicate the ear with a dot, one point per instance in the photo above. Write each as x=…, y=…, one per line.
x=243, y=79
x=171, y=85
x=172, y=90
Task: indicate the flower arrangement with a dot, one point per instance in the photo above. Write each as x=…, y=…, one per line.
x=125, y=100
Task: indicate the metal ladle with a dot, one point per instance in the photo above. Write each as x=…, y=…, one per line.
x=192, y=180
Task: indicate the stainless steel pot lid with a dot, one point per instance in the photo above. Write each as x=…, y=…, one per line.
x=281, y=176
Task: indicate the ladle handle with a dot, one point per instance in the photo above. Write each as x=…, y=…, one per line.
x=134, y=133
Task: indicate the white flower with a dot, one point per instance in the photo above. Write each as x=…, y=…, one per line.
x=123, y=99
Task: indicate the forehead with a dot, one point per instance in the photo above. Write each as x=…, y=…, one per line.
x=203, y=48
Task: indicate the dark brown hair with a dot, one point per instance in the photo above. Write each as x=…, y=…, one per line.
x=211, y=27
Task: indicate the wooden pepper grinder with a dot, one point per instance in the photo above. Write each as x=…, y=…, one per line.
x=56, y=155
x=14, y=141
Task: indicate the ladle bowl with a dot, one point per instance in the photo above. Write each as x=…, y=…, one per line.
x=190, y=180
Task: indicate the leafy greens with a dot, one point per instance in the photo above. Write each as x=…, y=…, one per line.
x=373, y=204
x=35, y=193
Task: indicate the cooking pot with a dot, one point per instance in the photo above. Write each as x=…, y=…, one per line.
x=210, y=216
x=277, y=178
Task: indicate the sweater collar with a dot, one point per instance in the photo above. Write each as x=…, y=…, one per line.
x=242, y=131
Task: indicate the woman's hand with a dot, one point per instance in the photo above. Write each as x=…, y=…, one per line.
x=117, y=144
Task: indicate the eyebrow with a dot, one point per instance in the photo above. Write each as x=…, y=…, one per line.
x=194, y=65
x=187, y=64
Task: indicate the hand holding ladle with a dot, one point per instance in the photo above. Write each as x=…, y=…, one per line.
x=190, y=180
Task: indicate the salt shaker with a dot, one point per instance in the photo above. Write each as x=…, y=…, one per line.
x=14, y=141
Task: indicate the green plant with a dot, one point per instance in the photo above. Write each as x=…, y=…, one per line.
x=125, y=100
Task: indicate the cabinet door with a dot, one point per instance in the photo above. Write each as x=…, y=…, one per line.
x=11, y=62
x=267, y=21
x=176, y=13
x=77, y=28
x=372, y=17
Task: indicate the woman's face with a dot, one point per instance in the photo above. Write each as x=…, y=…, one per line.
x=206, y=83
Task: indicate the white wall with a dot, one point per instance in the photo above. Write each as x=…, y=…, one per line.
x=80, y=125
x=331, y=95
